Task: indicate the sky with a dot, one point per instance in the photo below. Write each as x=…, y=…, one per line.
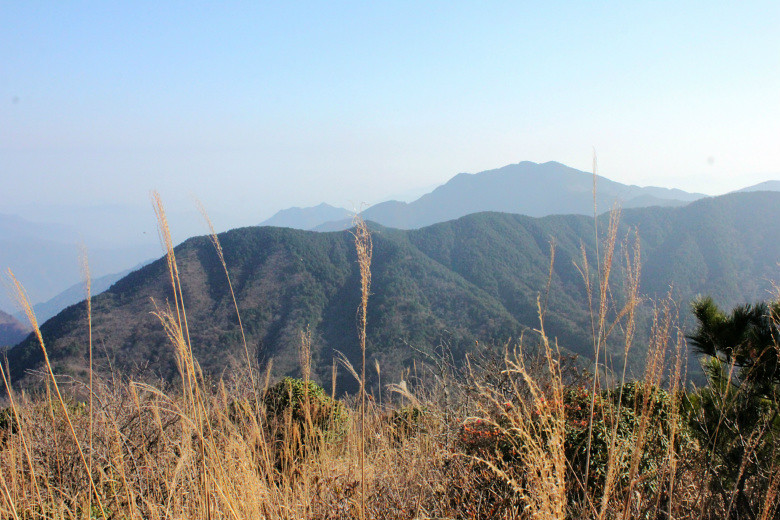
x=257, y=106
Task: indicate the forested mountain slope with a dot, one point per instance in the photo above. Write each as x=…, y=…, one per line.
x=477, y=278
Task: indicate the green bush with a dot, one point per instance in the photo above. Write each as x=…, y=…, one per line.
x=305, y=406
x=623, y=412
x=620, y=411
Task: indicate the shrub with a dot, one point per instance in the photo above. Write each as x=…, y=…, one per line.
x=620, y=414
x=737, y=415
x=624, y=412
x=305, y=406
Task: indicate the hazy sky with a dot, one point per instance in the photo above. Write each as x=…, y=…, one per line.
x=257, y=106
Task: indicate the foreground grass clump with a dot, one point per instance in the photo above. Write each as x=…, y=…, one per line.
x=621, y=414
x=478, y=457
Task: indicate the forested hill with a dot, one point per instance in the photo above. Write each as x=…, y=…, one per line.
x=477, y=278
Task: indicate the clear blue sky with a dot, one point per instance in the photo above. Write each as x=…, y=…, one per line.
x=257, y=106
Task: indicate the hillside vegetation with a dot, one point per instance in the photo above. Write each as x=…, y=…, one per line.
x=477, y=278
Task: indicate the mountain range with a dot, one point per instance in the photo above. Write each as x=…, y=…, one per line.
x=44, y=250
x=477, y=278
x=525, y=188
x=45, y=258
x=764, y=186
x=44, y=254
x=308, y=218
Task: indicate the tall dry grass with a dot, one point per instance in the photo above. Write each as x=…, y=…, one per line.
x=496, y=438
x=364, y=250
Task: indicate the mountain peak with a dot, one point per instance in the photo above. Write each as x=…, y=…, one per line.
x=526, y=187
x=764, y=186
x=306, y=218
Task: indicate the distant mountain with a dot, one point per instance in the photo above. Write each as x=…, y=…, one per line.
x=11, y=330
x=47, y=268
x=45, y=257
x=477, y=278
x=307, y=218
x=526, y=188
x=75, y=294
x=14, y=227
x=333, y=225
x=763, y=186
x=109, y=226
x=413, y=194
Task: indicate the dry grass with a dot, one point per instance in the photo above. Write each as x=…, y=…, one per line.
x=364, y=249
x=493, y=439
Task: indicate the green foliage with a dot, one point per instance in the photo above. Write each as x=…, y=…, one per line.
x=745, y=338
x=621, y=416
x=737, y=415
x=305, y=406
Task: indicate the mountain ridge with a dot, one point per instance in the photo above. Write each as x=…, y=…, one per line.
x=771, y=185
x=476, y=278
x=75, y=294
x=527, y=188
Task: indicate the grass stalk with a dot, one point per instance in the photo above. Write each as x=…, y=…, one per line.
x=24, y=302
x=604, y=271
x=88, y=294
x=178, y=331
x=17, y=417
x=8, y=498
x=364, y=249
